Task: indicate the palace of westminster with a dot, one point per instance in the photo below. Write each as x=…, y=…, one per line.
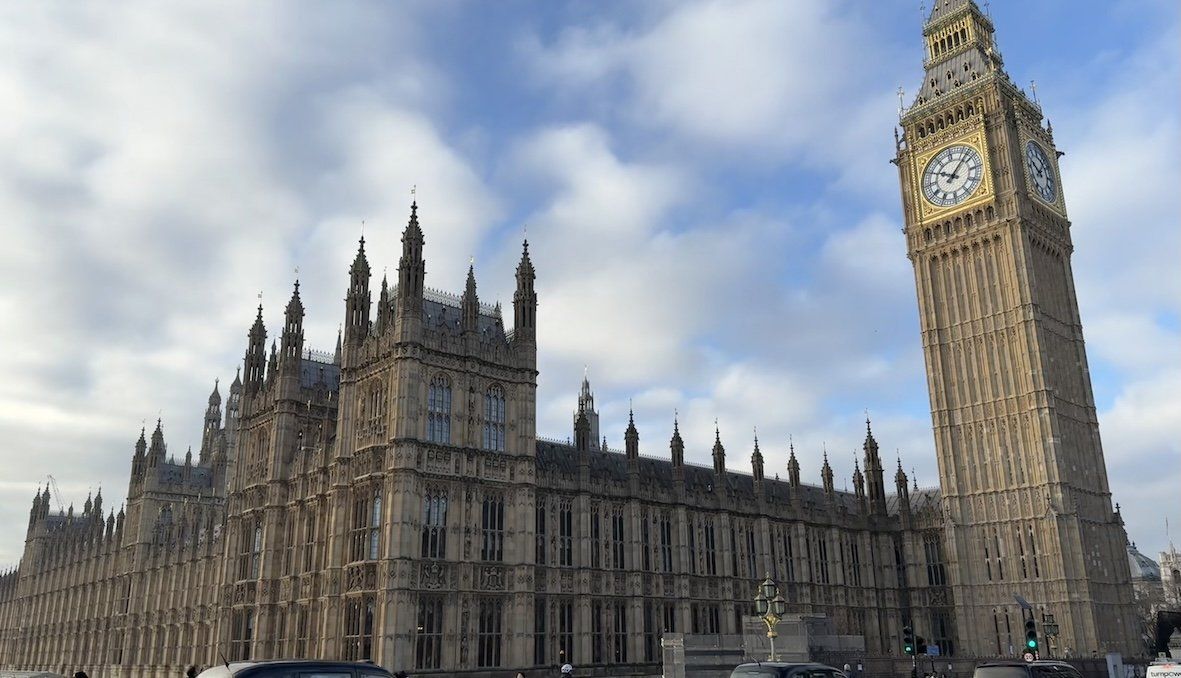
x=392, y=501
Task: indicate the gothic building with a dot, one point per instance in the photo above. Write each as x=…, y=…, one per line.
x=391, y=500
x=1025, y=497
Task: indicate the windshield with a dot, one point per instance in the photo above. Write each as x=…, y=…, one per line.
x=755, y=672
x=1001, y=672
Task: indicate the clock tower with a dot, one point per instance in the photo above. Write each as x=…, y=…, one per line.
x=1027, y=508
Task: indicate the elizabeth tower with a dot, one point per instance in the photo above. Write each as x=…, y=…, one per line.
x=1026, y=503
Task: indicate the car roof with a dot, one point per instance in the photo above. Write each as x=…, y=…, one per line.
x=787, y=665
x=248, y=667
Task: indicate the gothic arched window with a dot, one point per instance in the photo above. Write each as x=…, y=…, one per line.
x=438, y=418
x=494, y=419
x=366, y=529
x=434, y=525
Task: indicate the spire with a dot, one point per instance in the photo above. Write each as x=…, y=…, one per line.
x=874, y=472
x=236, y=385
x=357, y=301
x=957, y=34
x=586, y=405
x=719, y=452
x=826, y=475
x=676, y=445
x=900, y=486
x=339, y=337
x=631, y=437
x=582, y=433
x=411, y=267
x=383, y=308
x=525, y=300
x=756, y=461
x=858, y=484
x=272, y=362
x=157, y=450
x=793, y=467
x=292, y=339
x=256, y=355
x=470, y=303
x=215, y=397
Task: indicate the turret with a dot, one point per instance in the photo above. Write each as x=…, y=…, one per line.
x=756, y=466
x=676, y=448
x=719, y=453
x=631, y=439
x=384, y=320
x=212, y=426
x=873, y=469
x=582, y=435
x=859, y=484
x=903, y=491
x=525, y=301
x=272, y=364
x=292, y=338
x=411, y=269
x=470, y=304
x=356, y=321
x=157, y=450
x=793, y=470
x=826, y=476
x=586, y=406
x=139, y=459
x=256, y=355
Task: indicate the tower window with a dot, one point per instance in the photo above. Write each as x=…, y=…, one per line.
x=438, y=425
x=492, y=517
x=494, y=419
x=428, y=642
x=434, y=525
x=366, y=532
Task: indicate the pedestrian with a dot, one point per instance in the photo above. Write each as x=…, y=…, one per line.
x=848, y=669
x=192, y=671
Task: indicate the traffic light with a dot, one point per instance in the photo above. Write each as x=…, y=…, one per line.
x=1031, y=635
x=908, y=640
x=920, y=645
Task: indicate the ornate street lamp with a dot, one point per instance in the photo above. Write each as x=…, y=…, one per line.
x=771, y=606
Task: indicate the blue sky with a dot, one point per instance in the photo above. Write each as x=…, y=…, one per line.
x=705, y=185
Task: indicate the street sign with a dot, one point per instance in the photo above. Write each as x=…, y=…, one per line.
x=932, y=650
x=1028, y=657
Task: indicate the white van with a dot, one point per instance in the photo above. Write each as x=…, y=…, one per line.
x=1163, y=668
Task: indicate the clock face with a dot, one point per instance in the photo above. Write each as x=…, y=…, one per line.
x=1041, y=174
x=952, y=175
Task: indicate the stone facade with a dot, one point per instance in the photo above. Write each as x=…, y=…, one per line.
x=1025, y=496
x=391, y=500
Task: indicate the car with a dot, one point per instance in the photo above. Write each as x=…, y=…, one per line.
x=1163, y=668
x=785, y=670
x=295, y=668
x=1042, y=668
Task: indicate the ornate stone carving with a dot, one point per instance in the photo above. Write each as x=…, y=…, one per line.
x=492, y=578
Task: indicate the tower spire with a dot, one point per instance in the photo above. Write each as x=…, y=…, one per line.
x=525, y=301
x=356, y=325
x=470, y=302
x=411, y=267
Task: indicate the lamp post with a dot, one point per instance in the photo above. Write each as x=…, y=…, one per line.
x=771, y=606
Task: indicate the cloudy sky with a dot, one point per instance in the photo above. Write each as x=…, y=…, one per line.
x=705, y=185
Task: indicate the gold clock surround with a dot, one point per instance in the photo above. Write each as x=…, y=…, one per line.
x=983, y=192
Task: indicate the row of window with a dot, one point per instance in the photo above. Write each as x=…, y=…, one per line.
x=608, y=537
x=438, y=425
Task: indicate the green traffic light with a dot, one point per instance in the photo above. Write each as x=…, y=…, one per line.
x=1031, y=644
x=909, y=649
